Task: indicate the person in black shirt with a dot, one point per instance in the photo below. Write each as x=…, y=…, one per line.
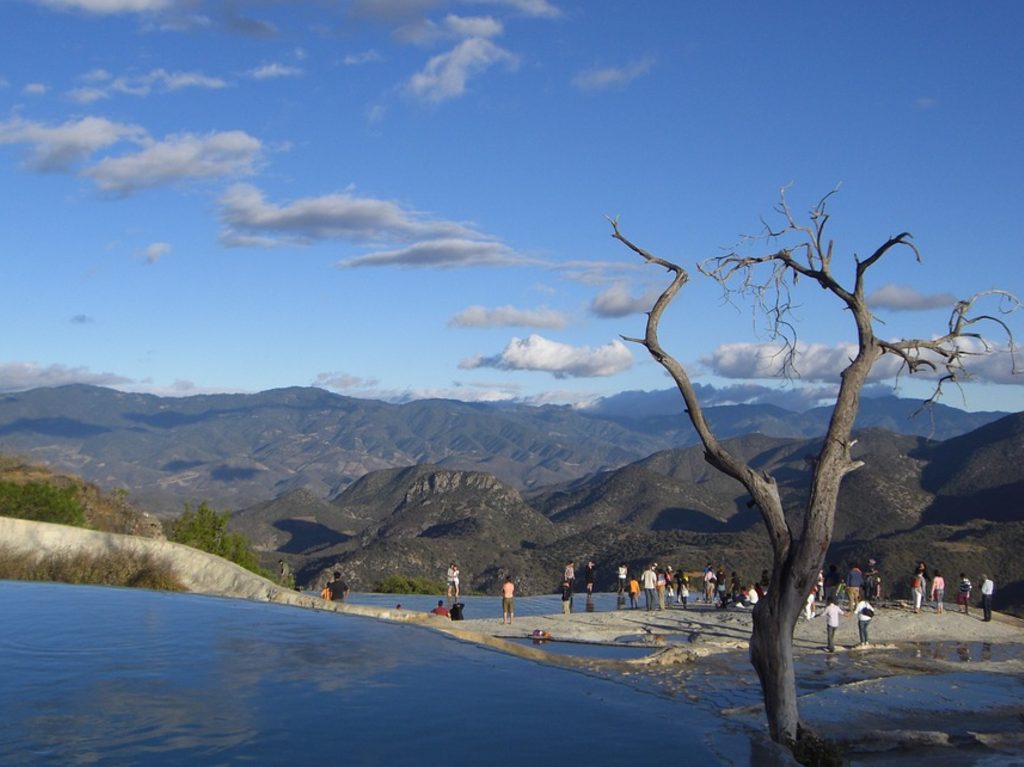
x=338, y=588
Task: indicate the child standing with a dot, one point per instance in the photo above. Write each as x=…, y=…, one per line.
x=634, y=593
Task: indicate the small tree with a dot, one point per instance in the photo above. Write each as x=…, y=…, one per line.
x=767, y=280
x=207, y=530
x=42, y=502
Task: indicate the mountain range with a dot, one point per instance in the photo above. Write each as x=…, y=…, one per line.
x=372, y=489
x=236, y=450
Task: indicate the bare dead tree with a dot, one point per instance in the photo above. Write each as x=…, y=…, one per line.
x=768, y=280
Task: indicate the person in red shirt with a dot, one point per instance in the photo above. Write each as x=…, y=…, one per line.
x=441, y=609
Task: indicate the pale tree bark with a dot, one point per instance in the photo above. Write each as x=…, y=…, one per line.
x=798, y=555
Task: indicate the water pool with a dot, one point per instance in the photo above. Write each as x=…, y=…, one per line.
x=101, y=676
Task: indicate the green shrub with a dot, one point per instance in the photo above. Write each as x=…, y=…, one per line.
x=41, y=502
x=403, y=584
x=207, y=530
x=116, y=568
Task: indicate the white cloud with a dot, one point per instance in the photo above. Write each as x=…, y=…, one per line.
x=95, y=75
x=899, y=298
x=87, y=94
x=821, y=363
x=35, y=89
x=100, y=84
x=363, y=57
x=508, y=316
x=441, y=253
x=178, y=157
x=164, y=82
x=473, y=26
x=814, y=362
x=269, y=71
x=155, y=251
x=536, y=8
x=561, y=360
x=109, y=6
x=995, y=366
x=597, y=273
x=19, y=376
x=426, y=32
x=57, y=148
x=246, y=213
x=612, y=77
x=795, y=398
x=616, y=301
x=338, y=381
x=445, y=76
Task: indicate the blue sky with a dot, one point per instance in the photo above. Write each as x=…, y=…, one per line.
x=407, y=198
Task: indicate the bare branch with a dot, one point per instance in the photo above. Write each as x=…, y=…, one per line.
x=949, y=352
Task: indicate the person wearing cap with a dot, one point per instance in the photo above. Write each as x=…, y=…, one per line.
x=441, y=610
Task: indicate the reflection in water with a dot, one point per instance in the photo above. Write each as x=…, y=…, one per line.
x=965, y=651
x=116, y=676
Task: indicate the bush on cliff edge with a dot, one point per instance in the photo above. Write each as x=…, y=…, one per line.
x=41, y=502
x=207, y=530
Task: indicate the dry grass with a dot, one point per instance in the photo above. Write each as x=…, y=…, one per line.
x=109, y=569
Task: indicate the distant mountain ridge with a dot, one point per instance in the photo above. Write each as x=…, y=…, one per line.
x=373, y=489
x=674, y=508
x=236, y=450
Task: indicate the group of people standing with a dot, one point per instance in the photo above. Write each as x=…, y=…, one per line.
x=569, y=582
x=661, y=585
x=857, y=588
x=860, y=587
x=923, y=585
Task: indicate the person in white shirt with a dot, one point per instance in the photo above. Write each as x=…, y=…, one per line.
x=832, y=615
x=649, y=580
x=864, y=612
x=452, y=577
x=987, y=590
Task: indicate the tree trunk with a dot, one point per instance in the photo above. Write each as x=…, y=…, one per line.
x=771, y=654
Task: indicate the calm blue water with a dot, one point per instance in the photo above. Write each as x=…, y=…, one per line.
x=99, y=676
